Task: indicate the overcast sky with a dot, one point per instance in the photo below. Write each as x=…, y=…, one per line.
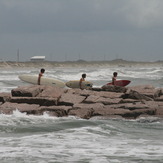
x=81, y=29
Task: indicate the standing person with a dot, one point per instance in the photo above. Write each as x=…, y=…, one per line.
x=40, y=75
x=114, y=78
x=81, y=80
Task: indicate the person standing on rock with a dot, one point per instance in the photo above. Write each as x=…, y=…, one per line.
x=81, y=80
x=114, y=78
x=40, y=75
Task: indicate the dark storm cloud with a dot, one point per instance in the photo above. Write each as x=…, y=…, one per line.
x=89, y=27
x=71, y=15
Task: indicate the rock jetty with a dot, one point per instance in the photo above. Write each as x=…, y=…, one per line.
x=108, y=101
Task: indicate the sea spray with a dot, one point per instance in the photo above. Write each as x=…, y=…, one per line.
x=28, y=138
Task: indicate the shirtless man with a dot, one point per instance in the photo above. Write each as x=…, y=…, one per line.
x=81, y=80
x=114, y=78
x=40, y=75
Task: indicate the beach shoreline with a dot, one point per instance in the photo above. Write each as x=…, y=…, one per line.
x=118, y=62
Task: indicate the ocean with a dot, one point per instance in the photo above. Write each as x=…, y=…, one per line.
x=44, y=139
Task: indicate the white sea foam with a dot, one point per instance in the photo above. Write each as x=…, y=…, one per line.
x=30, y=138
x=67, y=74
x=91, y=143
x=98, y=75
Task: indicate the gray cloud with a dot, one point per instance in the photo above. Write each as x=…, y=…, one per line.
x=90, y=29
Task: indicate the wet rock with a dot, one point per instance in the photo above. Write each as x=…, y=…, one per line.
x=8, y=108
x=88, y=106
x=158, y=106
x=136, y=113
x=27, y=91
x=53, y=92
x=125, y=112
x=130, y=102
x=85, y=113
x=108, y=101
x=159, y=98
x=159, y=111
x=5, y=97
x=69, y=99
x=91, y=99
x=135, y=106
x=97, y=89
x=142, y=88
x=35, y=100
x=97, y=99
x=152, y=104
x=106, y=94
x=84, y=92
x=127, y=100
x=113, y=88
x=136, y=95
x=146, y=90
x=158, y=93
x=58, y=111
x=109, y=111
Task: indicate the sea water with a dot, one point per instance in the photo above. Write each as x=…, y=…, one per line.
x=44, y=139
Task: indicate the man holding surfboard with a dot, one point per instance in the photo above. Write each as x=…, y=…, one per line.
x=82, y=84
x=114, y=78
x=81, y=80
x=116, y=82
x=41, y=80
x=40, y=75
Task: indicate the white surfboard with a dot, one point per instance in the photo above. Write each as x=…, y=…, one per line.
x=44, y=80
x=75, y=84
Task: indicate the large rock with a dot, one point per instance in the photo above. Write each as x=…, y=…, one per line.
x=158, y=93
x=159, y=112
x=85, y=111
x=124, y=102
x=107, y=94
x=159, y=98
x=4, y=97
x=128, y=100
x=90, y=106
x=81, y=92
x=69, y=99
x=58, y=111
x=108, y=101
x=109, y=111
x=137, y=113
x=8, y=108
x=142, y=88
x=97, y=99
x=35, y=100
x=159, y=109
x=113, y=88
x=131, y=94
x=91, y=99
x=147, y=90
x=27, y=91
x=53, y=92
x=135, y=106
